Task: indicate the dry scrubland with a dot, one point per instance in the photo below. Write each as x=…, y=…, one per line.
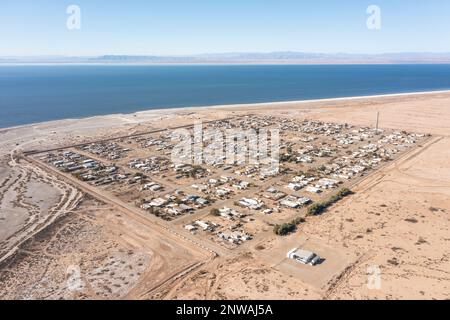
x=398, y=219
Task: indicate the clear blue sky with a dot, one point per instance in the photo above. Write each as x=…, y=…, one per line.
x=38, y=27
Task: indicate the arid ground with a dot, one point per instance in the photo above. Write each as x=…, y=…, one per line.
x=58, y=241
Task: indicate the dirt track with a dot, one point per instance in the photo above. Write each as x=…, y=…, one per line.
x=398, y=220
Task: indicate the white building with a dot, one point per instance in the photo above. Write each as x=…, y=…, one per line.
x=202, y=224
x=158, y=202
x=312, y=189
x=303, y=256
x=251, y=203
x=190, y=228
x=295, y=186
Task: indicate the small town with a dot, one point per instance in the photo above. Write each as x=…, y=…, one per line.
x=253, y=155
x=231, y=203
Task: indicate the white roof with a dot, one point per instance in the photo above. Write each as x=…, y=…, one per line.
x=304, y=254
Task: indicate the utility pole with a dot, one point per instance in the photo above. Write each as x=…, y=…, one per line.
x=378, y=121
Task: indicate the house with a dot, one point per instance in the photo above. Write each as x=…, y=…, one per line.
x=191, y=198
x=110, y=169
x=290, y=204
x=178, y=192
x=152, y=187
x=69, y=164
x=229, y=213
x=225, y=179
x=185, y=208
x=190, y=228
x=358, y=169
x=73, y=168
x=294, y=202
x=295, y=186
x=222, y=192
x=88, y=177
x=275, y=196
x=305, y=159
x=235, y=237
x=174, y=211
x=202, y=201
x=303, y=200
x=303, y=256
x=312, y=189
x=180, y=167
x=58, y=163
x=243, y=185
x=200, y=187
x=213, y=182
x=159, y=202
x=204, y=225
x=156, y=187
x=272, y=190
x=251, y=203
x=326, y=183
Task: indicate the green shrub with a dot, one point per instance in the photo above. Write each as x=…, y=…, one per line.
x=298, y=221
x=284, y=229
x=317, y=208
x=314, y=210
x=344, y=193
x=320, y=207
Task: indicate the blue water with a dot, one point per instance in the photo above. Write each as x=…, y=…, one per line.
x=30, y=94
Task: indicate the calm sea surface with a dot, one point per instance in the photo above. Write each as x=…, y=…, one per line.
x=30, y=94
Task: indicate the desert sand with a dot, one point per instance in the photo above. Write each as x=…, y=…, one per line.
x=397, y=221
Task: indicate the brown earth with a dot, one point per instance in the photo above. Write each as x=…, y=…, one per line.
x=397, y=222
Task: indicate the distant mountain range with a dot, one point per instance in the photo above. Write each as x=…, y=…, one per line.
x=246, y=58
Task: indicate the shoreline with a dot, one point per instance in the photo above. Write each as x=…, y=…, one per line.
x=261, y=105
x=399, y=208
x=256, y=63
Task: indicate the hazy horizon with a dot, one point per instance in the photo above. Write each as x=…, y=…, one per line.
x=228, y=53
x=241, y=57
x=85, y=28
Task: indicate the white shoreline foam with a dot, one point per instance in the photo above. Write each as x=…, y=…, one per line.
x=226, y=106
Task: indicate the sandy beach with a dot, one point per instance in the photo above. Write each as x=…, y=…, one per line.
x=397, y=220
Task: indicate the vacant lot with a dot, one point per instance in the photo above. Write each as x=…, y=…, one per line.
x=93, y=253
